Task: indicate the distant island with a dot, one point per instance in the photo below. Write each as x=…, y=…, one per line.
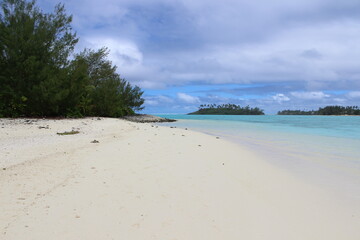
x=329, y=110
x=226, y=109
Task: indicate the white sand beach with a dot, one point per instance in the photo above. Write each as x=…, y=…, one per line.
x=142, y=181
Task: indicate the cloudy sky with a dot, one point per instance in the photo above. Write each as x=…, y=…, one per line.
x=279, y=54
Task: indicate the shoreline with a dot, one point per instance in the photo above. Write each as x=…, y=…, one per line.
x=143, y=181
x=315, y=159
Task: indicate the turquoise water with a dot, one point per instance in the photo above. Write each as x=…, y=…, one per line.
x=323, y=149
x=333, y=126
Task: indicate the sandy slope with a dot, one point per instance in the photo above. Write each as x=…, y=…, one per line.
x=146, y=182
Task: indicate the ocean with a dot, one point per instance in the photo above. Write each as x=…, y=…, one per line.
x=323, y=150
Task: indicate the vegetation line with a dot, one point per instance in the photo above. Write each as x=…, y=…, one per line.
x=227, y=109
x=329, y=110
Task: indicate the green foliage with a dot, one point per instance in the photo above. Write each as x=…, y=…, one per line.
x=37, y=77
x=295, y=112
x=328, y=110
x=34, y=50
x=227, y=109
x=106, y=93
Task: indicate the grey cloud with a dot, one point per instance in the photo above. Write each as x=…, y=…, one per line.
x=312, y=54
x=128, y=60
x=309, y=45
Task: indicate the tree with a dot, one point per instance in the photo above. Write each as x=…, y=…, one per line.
x=37, y=77
x=108, y=94
x=328, y=110
x=34, y=52
x=227, y=109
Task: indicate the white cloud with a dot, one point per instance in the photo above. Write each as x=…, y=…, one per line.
x=129, y=59
x=151, y=102
x=310, y=95
x=354, y=94
x=340, y=100
x=187, y=98
x=123, y=53
x=280, y=98
x=165, y=99
x=158, y=100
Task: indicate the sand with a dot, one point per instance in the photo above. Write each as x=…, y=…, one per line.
x=141, y=181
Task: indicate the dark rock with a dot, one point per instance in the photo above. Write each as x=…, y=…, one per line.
x=145, y=118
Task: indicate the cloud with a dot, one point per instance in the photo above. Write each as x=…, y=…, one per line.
x=151, y=102
x=310, y=95
x=280, y=98
x=187, y=98
x=311, y=54
x=340, y=100
x=158, y=100
x=288, y=53
x=123, y=53
x=354, y=94
x=234, y=41
x=271, y=103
